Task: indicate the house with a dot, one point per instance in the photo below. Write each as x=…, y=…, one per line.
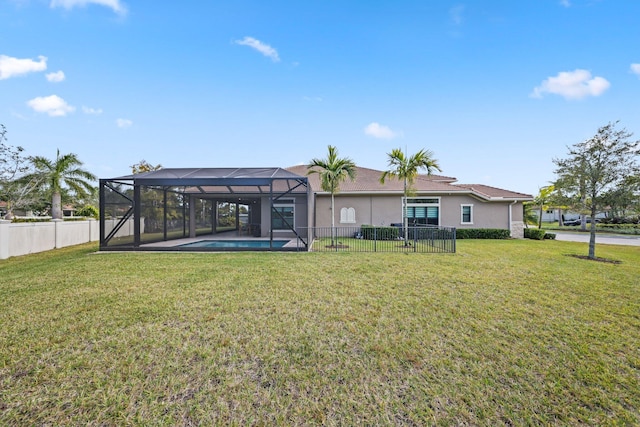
x=143, y=210
x=436, y=200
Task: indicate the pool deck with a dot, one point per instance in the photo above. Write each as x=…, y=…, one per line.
x=226, y=235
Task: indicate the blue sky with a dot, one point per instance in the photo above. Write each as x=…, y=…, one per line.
x=496, y=89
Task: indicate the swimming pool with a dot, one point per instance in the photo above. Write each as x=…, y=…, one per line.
x=232, y=244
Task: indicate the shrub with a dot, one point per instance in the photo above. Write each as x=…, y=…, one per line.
x=88, y=211
x=535, y=233
x=482, y=233
x=370, y=232
x=550, y=236
x=16, y=220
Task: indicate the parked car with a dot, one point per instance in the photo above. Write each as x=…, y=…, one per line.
x=578, y=221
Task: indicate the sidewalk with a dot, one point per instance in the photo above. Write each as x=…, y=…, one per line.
x=607, y=239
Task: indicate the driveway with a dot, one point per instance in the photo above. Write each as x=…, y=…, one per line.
x=607, y=239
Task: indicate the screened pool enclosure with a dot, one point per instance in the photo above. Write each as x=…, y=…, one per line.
x=168, y=208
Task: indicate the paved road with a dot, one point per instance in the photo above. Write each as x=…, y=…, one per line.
x=607, y=239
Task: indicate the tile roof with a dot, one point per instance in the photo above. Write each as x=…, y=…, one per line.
x=494, y=191
x=368, y=181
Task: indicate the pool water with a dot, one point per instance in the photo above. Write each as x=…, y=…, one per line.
x=221, y=244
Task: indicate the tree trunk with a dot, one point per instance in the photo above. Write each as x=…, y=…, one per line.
x=405, y=220
x=540, y=217
x=592, y=234
x=333, y=221
x=56, y=206
x=560, y=218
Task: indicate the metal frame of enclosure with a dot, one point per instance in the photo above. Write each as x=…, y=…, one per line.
x=138, y=212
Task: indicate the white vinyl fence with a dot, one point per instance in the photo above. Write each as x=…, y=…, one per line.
x=24, y=238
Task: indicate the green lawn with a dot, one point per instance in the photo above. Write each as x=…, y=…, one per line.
x=500, y=333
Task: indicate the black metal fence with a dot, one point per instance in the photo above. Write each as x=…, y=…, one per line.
x=424, y=239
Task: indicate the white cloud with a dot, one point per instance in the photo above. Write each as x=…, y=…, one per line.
x=52, y=105
x=635, y=69
x=124, y=123
x=91, y=111
x=456, y=14
x=576, y=84
x=377, y=130
x=565, y=3
x=56, y=77
x=263, y=48
x=313, y=98
x=11, y=67
x=116, y=5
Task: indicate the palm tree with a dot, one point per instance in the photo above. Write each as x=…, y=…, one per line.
x=332, y=171
x=406, y=169
x=542, y=200
x=63, y=173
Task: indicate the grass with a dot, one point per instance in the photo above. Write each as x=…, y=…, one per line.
x=500, y=333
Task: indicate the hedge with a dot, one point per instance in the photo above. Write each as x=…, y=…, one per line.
x=482, y=233
x=534, y=233
x=370, y=232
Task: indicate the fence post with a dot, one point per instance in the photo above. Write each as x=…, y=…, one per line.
x=4, y=238
x=375, y=239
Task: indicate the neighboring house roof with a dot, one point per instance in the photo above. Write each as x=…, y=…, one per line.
x=494, y=192
x=368, y=181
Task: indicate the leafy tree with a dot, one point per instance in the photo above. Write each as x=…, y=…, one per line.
x=332, y=170
x=63, y=173
x=595, y=166
x=151, y=199
x=88, y=211
x=406, y=169
x=623, y=199
x=16, y=188
x=144, y=166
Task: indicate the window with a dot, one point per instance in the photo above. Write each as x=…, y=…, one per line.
x=348, y=215
x=423, y=211
x=466, y=214
x=282, y=216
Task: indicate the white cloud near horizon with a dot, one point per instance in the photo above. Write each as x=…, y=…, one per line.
x=261, y=47
x=379, y=131
x=635, y=69
x=124, y=123
x=56, y=77
x=52, y=105
x=12, y=67
x=91, y=111
x=576, y=84
x=116, y=5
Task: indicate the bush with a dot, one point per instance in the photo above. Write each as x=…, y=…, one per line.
x=89, y=211
x=370, y=232
x=17, y=220
x=550, y=236
x=482, y=233
x=535, y=233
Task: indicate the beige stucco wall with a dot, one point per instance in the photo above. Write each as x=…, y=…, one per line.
x=387, y=209
x=371, y=210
